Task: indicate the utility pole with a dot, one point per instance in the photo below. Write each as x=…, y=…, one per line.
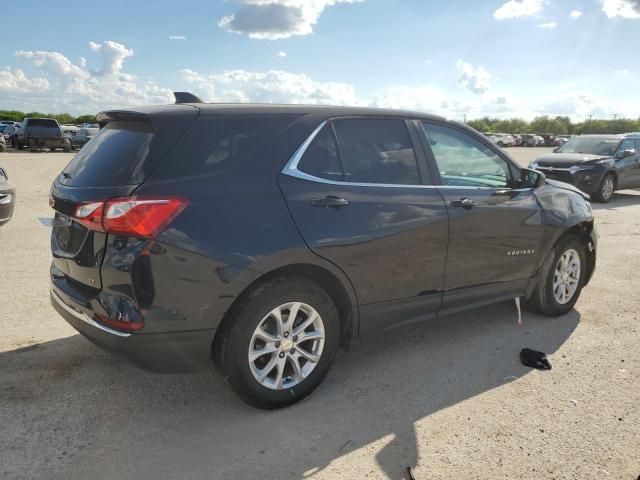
x=465, y=118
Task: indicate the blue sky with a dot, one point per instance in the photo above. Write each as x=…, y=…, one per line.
x=457, y=58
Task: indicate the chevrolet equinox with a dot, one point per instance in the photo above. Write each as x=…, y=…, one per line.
x=261, y=238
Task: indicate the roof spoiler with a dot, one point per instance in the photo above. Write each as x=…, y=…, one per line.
x=186, y=97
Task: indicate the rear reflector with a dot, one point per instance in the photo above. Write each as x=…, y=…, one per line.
x=120, y=324
x=130, y=216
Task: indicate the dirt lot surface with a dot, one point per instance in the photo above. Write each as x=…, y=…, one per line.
x=450, y=398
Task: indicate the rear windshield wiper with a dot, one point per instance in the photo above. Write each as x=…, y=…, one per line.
x=66, y=175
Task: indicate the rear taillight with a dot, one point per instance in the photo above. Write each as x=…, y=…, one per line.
x=130, y=216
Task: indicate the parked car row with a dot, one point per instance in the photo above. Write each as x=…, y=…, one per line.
x=39, y=133
x=526, y=139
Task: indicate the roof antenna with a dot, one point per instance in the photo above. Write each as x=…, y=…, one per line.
x=186, y=97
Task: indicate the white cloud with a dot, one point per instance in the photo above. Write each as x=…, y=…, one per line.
x=518, y=8
x=177, y=37
x=576, y=14
x=113, y=56
x=276, y=19
x=274, y=86
x=281, y=54
x=478, y=80
x=78, y=89
x=424, y=98
x=621, y=8
x=16, y=81
x=622, y=72
x=549, y=25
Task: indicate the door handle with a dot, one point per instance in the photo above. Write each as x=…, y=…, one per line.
x=329, y=201
x=465, y=203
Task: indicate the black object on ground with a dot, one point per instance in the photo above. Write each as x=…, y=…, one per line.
x=534, y=359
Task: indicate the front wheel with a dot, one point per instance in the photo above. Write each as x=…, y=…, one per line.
x=281, y=342
x=561, y=278
x=606, y=189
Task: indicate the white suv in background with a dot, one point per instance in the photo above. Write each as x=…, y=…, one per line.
x=501, y=139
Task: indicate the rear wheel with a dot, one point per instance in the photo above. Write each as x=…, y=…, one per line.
x=606, y=189
x=561, y=278
x=281, y=342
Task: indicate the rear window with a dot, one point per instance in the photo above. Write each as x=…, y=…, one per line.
x=42, y=122
x=111, y=157
x=215, y=142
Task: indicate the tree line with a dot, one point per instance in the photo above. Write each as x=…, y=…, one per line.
x=62, y=118
x=540, y=125
x=555, y=125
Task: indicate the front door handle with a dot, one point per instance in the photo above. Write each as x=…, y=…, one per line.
x=329, y=201
x=465, y=203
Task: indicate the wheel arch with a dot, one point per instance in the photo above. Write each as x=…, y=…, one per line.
x=342, y=296
x=584, y=231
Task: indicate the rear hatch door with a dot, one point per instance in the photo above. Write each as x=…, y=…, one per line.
x=43, y=128
x=125, y=151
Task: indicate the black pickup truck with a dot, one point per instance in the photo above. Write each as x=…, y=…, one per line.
x=41, y=133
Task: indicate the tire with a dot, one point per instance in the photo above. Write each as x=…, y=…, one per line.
x=544, y=299
x=66, y=149
x=500, y=144
x=52, y=149
x=20, y=146
x=605, y=189
x=3, y=148
x=232, y=349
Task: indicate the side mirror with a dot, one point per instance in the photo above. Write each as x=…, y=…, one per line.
x=531, y=178
x=556, y=149
x=628, y=153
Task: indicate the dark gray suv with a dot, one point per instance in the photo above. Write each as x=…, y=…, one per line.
x=596, y=164
x=262, y=237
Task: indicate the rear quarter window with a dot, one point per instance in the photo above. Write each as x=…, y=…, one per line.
x=214, y=142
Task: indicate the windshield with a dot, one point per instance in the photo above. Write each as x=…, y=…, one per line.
x=591, y=146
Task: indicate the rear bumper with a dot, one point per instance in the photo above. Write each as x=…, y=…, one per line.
x=46, y=142
x=185, y=351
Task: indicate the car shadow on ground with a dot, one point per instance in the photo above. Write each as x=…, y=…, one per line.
x=626, y=198
x=73, y=411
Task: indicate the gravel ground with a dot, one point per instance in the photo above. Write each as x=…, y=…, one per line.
x=450, y=398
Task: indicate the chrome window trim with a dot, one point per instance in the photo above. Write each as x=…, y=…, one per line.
x=291, y=169
x=85, y=318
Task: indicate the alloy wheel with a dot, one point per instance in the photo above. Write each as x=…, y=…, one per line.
x=607, y=187
x=566, y=276
x=286, y=346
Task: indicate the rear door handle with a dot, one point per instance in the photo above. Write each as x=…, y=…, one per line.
x=465, y=203
x=329, y=201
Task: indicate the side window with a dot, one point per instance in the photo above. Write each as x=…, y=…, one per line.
x=638, y=145
x=464, y=161
x=216, y=141
x=376, y=151
x=321, y=157
x=626, y=144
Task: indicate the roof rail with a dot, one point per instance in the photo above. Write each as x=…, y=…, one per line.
x=186, y=97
